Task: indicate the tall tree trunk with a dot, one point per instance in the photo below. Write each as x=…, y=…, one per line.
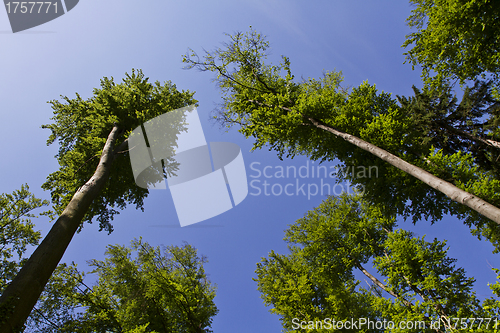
x=21, y=295
x=451, y=191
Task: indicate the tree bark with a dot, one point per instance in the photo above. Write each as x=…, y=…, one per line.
x=451, y=191
x=21, y=295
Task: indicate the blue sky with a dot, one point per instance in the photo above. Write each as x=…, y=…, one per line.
x=108, y=38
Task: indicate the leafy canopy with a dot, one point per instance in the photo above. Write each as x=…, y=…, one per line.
x=139, y=289
x=17, y=230
x=469, y=126
x=81, y=128
x=270, y=106
x=455, y=40
x=331, y=247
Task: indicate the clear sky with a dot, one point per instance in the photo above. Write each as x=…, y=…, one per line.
x=108, y=38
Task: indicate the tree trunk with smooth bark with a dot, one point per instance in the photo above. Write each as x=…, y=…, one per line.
x=451, y=191
x=21, y=295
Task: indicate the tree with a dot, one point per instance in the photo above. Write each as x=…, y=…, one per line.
x=16, y=230
x=471, y=126
x=149, y=292
x=343, y=235
x=92, y=134
x=456, y=40
x=323, y=120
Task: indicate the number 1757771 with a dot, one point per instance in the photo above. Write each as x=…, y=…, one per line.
x=30, y=7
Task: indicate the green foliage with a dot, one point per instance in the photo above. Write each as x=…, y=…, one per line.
x=456, y=40
x=458, y=141
x=329, y=248
x=150, y=292
x=272, y=108
x=82, y=126
x=439, y=120
x=491, y=305
x=16, y=233
x=469, y=177
x=268, y=105
x=16, y=230
x=310, y=283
